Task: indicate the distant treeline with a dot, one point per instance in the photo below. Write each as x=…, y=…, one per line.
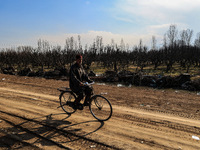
x=177, y=48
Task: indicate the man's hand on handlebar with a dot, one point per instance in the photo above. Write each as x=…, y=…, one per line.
x=81, y=84
x=86, y=83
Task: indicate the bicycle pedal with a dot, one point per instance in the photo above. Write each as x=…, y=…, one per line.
x=80, y=107
x=86, y=104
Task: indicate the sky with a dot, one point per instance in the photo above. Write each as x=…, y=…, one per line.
x=24, y=22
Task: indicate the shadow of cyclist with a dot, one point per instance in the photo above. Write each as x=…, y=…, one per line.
x=67, y=128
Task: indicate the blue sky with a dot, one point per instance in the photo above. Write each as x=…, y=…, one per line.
x=24, y=22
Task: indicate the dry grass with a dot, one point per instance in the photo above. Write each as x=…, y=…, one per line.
x=149, y=70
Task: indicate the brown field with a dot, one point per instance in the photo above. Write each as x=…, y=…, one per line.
x=143, y=118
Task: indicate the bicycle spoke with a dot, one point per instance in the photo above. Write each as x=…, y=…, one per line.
x=100, y=108
x=66, y=100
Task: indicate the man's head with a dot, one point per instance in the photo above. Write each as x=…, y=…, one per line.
x=79, y=59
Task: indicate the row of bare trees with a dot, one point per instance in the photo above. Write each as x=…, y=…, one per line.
x=177, y=48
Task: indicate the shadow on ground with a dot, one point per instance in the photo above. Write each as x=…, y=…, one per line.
x=48, y=131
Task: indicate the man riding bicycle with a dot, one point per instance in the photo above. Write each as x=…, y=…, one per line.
x=76, y=79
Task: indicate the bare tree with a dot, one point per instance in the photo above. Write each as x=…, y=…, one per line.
x=172, y=35
x=122, y=45
x=186, y=36
x=170, y=52
x=80, y=49
x=153, y=43
x=165, y=41
x=197, y=40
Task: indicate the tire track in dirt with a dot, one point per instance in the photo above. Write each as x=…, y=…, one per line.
x=11, y=141
x=68, y=134
x=132, y=138
x=123, y=111
x=23, y=110
x=29, y=99
x=8, y=90
x=141, y=122
x=71, y=137
x=143, y=119
x=44, y=97
x=32, y=133
x=178, y=114
x=163, y=123
x=29, y=84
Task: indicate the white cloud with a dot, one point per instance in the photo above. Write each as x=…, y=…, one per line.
x=153, y=17
x=89, y=37
x=157, y=11
x=162, y=28
x=86, y=38
x=180, y=5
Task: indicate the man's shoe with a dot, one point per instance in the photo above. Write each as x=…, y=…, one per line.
x=86, y=104
x=74, y=106
x=78, y=106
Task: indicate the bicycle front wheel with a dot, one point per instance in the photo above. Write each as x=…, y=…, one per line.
x=67, y=101
x=100, y=108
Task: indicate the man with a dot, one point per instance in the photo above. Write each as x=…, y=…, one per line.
x=76, y=79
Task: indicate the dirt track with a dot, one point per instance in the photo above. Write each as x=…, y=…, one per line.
x=143, y=118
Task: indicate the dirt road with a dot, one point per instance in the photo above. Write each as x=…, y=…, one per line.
x=143, y=118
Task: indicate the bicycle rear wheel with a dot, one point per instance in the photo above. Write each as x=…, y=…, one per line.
x=67, y=99
x=100, y=108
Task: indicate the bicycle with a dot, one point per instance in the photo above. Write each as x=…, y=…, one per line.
x=99, y=106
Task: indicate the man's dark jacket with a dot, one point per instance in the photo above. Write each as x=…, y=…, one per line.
x=77, y=75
